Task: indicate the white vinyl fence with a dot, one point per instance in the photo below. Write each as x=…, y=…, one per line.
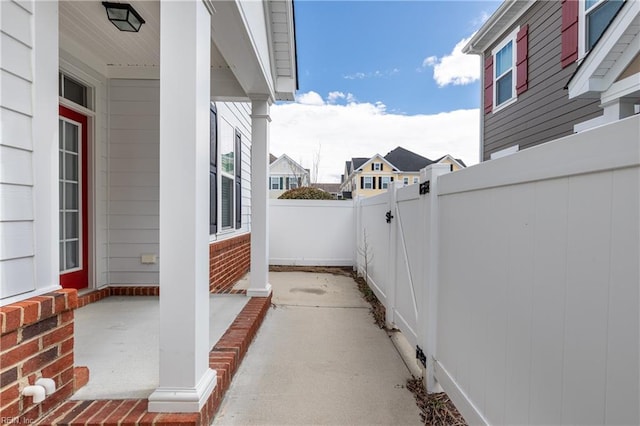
x=311, y=232
x=518, y=278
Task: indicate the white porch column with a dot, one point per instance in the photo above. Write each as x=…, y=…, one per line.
x=259, y=283
x=186, y=381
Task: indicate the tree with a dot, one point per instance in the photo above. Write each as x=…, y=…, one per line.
x=316, y=164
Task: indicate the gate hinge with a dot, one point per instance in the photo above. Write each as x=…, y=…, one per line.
x=388, y=216
x=420, y=356
x=424, y=188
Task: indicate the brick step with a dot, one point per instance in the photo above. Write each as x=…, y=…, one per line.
x=225, y=358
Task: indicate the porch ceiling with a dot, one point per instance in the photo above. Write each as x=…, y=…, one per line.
x=86, y=34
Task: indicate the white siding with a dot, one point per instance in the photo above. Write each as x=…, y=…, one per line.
x=17, y=254
x=133, y=175
x=231, y=116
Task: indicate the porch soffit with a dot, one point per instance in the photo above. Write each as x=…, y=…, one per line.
x=86, y=34
x=282, y=44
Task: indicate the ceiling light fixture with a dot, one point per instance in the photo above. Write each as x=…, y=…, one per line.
x=123, y=16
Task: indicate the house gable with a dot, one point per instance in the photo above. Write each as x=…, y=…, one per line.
x=285, y=165
x=369, y=165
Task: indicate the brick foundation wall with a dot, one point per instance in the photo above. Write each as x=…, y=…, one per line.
x=229, y=260
x=36, y=341
x=102, y=293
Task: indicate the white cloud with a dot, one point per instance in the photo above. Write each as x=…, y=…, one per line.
x=371, y=74
x=334, y=96
x=364, y=129
x=430, y=61
x=481, y=19
x=310, y=98
x=455, y=68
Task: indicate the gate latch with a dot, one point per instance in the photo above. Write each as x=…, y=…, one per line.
x=420, y=356
x=388, y=216
x=424, y=188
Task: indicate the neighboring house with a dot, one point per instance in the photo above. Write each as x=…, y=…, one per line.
x=285, y=174
x=455, y=163
x=553, y=68
x=331, y=188
x=124, y=163
x=364, y=177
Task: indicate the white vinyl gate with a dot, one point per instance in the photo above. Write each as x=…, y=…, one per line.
x=390, y=235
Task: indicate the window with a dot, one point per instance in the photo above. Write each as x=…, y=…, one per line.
x=292, y=182
x=597, y=16
x=376, y=166
x=405, y=181
x=225, y=165
x=213, y=170
x=415, y=180
x=384, y=182
x=367, y=182
x=70, y=196
x=506, y=70
x=275, y=183
x=583, y=23
x=503, y=76
x=73, y=90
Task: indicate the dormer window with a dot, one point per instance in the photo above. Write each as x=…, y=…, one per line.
x=376, y=167
x=595, y=18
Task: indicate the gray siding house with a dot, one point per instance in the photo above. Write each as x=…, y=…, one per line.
x=533, y=53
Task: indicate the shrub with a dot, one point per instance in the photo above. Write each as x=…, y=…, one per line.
x=306, y=193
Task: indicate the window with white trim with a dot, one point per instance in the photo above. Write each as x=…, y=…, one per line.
x=415, y=180
x=595, y=18
x=275, y=183
x=73, y=90
x=367, y=182
x=292, y=182
x=384, y=182
x=405, y=181
x=504, y=78
x=225, y=210
x=377, y=167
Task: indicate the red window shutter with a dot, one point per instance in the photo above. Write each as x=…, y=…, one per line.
x=488, y=84
x=569, y=32
x=522, y=60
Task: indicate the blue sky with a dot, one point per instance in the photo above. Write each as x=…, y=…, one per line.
x=375, y=50
x=374, y=75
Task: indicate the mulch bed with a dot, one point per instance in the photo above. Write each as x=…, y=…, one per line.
x=435, y=408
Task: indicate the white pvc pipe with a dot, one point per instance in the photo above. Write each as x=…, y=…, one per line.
x=37, y=392
x=49, y=385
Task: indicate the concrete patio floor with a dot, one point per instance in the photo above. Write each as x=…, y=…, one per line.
x=319, y=359
x=117, y=338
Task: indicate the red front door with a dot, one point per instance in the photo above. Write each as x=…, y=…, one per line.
x=74, y=243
